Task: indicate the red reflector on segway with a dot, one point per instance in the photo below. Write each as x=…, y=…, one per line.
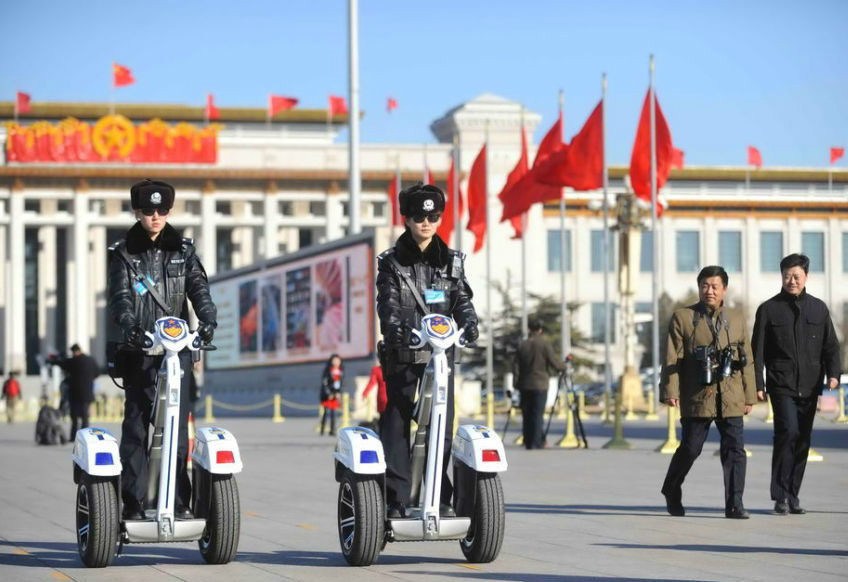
x=491, y=455
x=224, y=457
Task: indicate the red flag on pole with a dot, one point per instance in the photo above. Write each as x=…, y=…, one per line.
x=121, y=76
x=22, y=105
x=581, y=164
x=836, y=154
x=392, y=192
x=477, y=199
x=337, y=105
x=212, y=112
x=677, y=157
x=277, y=103
x=445, y=229
x=391, y=104
x=512, y=180
x=640, y=160
x=754, y=157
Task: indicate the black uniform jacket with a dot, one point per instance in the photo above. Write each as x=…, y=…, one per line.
x=82, y=370
x=171, y=263
x=437, y=268
x=795, y=342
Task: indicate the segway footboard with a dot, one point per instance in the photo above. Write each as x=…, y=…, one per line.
x=359, y=450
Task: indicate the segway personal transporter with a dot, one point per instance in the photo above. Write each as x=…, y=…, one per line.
x=101, y=531
x=478, y=456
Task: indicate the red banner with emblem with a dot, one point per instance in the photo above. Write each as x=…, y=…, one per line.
x=113, y=138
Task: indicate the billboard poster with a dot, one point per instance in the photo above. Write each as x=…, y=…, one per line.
x=297, y=311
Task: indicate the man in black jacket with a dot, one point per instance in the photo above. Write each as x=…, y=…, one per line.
x=81, y=370
x=534, y=360
x=795, y=342
x=437, y=273
x=154, y=257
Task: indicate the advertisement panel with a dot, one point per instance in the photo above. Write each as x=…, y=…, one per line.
x=296, y=311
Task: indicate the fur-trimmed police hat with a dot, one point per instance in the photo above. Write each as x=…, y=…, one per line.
x=152, y=194
x=421, y=199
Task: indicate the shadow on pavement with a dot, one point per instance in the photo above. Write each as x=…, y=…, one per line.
x=527, y=577
x=333, y=559
x=731, y=549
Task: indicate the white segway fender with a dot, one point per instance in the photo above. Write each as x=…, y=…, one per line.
x=216, y=450
x=360, y=450
x=96, y=453
x=480, y=448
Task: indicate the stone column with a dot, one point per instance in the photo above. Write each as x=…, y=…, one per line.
x=208, y=235
x=16, y=346
x=79, y=329
x=271, y=246
x=47, y=291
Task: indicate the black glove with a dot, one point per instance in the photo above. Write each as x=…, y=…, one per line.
x=206, y=331
x=395, y=337
x=471, y=333
x=135, y=337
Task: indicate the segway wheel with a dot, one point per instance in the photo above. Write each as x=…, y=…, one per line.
x=483, y=541
x=219, y=543
x=98, y=523
x=362, y=519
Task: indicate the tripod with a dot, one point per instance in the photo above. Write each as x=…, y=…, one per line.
x=566, y=385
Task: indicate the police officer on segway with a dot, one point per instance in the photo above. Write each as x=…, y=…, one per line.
x=419, y=275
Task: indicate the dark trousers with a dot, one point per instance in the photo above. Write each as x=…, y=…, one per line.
x=394, y=432
x=140, y=390
x=331, y=413
x=793, y=425
x=79, y=417
x=732, y=452
x=533, y=417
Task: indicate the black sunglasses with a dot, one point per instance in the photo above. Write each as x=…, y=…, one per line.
x=150, y=211
x=432, y=217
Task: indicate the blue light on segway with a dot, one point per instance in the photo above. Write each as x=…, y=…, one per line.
x=368, y=456
x=103, y=459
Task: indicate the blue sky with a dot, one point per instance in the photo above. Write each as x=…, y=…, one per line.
x=773, y=74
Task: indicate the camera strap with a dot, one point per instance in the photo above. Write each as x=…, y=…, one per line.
x=418, y=299
x=122, y=252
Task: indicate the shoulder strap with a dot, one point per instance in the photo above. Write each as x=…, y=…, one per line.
x=122, y=252
x=409, y=284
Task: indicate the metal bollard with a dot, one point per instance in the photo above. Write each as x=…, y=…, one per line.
x=278, y=408
x=631, y=414
x=671, y=443
x=568, y=440
x=840, y=406
x=320, y=416
x=769, y=412
x=208, y=417
x=581, y=404
x=605, y=417
x=345, y=410
x=652, y=407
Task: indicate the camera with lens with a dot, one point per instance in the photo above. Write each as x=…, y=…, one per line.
x=706, y=357
x=717, y=365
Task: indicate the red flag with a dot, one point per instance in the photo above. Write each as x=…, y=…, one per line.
x=640, y=160
x=754, y=157
x=509, y=190
x=477, y=199
x=446, y=227
x=835, y=153
x=277, y=103
x=581, y=164
x=22, y=105
x=528, y=190
x=212, y=112
x=121, y=76
x=392, y=192
x=391, y=104
x=677, y=157
x=338, y=105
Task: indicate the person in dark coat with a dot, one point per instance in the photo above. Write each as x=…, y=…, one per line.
x=81, y=370
x=530, y=376
x=437, y=273
x=795, y=343
x=154, y=256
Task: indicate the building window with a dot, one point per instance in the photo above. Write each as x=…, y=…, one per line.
x=304, y=237
x=31, y=205
x=318, y=208
x=646, y=253
x=599, y=322
x=224, y=250
x=688, y=250
x=771, y=251
x=555, y=251
x=730, y=250
x=286, y=208
x=378, y=209
x=597, y=244
x=224, y=208
x=812, y=245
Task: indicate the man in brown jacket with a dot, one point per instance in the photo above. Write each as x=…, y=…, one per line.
x=708, y=373
x=534, y=360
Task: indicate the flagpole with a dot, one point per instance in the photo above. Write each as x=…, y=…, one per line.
x=524, y=325
x=397, y=216
x=424, y=171
x=490, y=354
x=655, y=306
x=565, y=323
x=457, y=219
x=606, y=261
x=15, y=109
x=354, y=209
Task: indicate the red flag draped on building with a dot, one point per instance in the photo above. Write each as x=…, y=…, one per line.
x=754, y=157
x=277, y=103
x=392, y=192
x=836, y=154
x=640, y=160
x=391, y=104
x=509, y=190
x=212, y=113
x=121, y=76
x=528, y=190
x=477, y=199
x=445, y=229
x=22, y=105
x=581, y=164
x=337, y=105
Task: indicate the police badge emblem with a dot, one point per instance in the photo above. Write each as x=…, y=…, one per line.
x=156, y=198
x=429, y=205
